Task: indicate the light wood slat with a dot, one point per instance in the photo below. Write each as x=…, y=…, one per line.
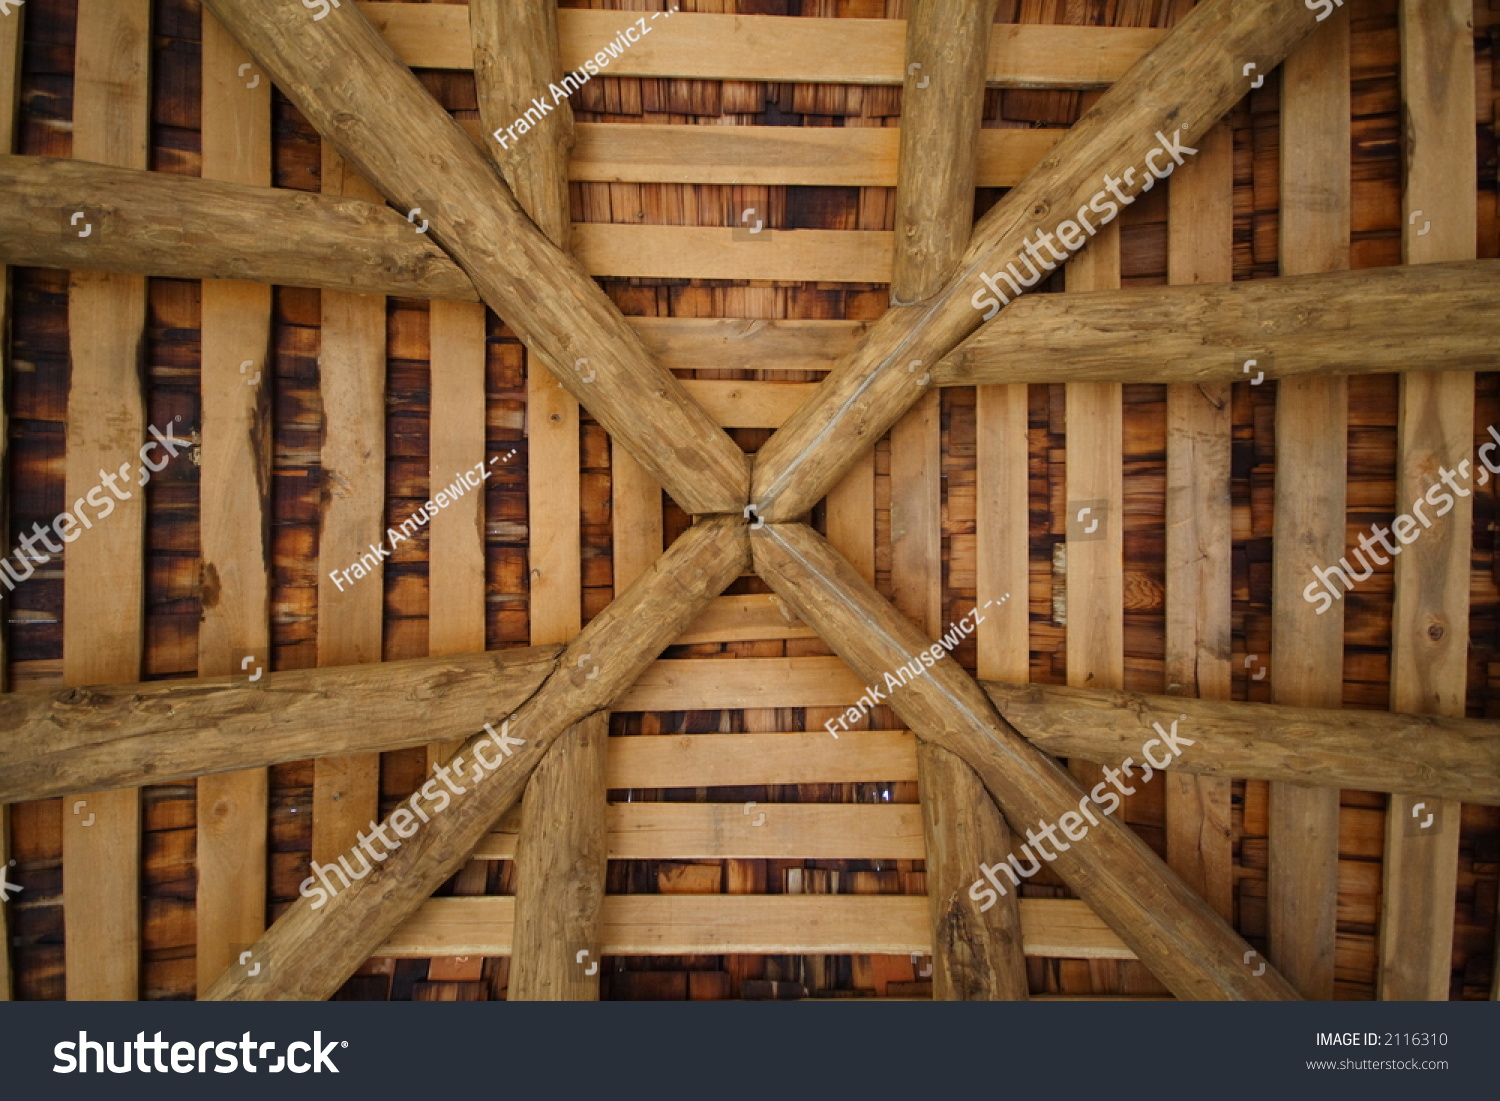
x=749, y=831
x=1200, y=837
x=774, y=48
x=10, y=89
x=749, y=404
x=698, y=684
x=104, y=570
x=1430, y=621
x=746, y=618
x=779, y=156
x=711, y=252
x=554, y=554
x=693, y=925
x=235, y=481
x=638, y=528
x=682, y=343
x=1307, y=649
x=351, y=364
x=710, y=760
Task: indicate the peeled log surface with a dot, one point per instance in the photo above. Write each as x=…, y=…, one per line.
x=117, y=736
x=309, y=953
x=152, y=223
x=1183, y=87
x=343, y=76
x=1357, y=750
x=1173, y=931
x=1429, y=317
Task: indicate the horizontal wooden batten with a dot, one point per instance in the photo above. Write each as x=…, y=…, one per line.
x=749, y=404
x=714, y=252
x=773, y=48
x=748, y=618
x=709, y=684
x=747, y=344
x=706, y=925
x=744, y=831
x=718, y=760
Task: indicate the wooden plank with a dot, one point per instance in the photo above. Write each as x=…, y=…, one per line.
x=10, y=90
x=1175, y=934
x=234, y=516
x=351, y=365
x=775, y=48
x=104, y=574
x=316, y=949
x=392, y=130
x=749, y=831
x=1430, y=621
x=1311, y=417
x=691, y=925
x=780, y=156
x=712, y=760
x=1432, y=317
x=1180, y=87
x=735, y=344
x=748, y=618
x=1200, y=836
x=696, y=684
x=749, y=404
x=638, y=527
x=1360, y=750
x=714, y=252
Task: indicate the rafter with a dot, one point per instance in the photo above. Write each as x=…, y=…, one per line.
x=1426, y=317
x=1182, y=87
x=1172, y=930
x=350, y=86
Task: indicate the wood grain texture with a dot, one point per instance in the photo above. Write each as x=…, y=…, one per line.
x=87, y=739
x=1173, y=932
x=313, y=951
x=674, y=925
x=390, y=129
x=234, y=515
x=715, y=252
x=1311, y=425
x=1432, y=317
x=351, y=372
x=104, y=573
x=1185, y=84
x=1200, y=838
x=745, y=618
x=711, y=760
x=1430, y=621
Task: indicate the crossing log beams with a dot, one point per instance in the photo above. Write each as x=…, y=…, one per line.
x=349, y=84
x=1200, y=249
x=234, y=515
x=311, y=951
x=560, y=857
x=1176, y=934
x=1360, y=750
x=976, y=957
x=88, y=739
x=1307, y=649
x=104, y=571
x=1182, y=87
x=10, y=90
x=1430, y=621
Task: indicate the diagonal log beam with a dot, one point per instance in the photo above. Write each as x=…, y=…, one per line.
x=1427, y=317
x=1359, y=750
x=1182, y=87
x=1175, y=933
x=345, y=79
x=126, y=735
x=310, y=952
x=178, y=227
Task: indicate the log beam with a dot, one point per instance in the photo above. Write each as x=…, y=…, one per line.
x=1182, y=87
x=310, y=952
x=125, y=735
x=1175, y=933
x=348, y=83
x=1428, y=317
